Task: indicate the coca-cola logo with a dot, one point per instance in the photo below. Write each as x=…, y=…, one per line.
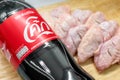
x=35, y=28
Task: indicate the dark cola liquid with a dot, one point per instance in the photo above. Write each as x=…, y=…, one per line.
x=51, y=61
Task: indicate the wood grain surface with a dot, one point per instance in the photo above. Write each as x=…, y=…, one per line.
x=111, y=9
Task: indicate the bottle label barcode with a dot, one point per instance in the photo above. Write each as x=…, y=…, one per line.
x=22, y=52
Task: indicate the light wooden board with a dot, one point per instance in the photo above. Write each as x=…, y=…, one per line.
x=111, y=9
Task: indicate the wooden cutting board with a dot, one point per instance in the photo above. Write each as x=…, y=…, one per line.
x=111, y=9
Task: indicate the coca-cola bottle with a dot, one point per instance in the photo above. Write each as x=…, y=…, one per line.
x=32, y=47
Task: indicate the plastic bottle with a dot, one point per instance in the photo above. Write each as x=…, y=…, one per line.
x=32, y=47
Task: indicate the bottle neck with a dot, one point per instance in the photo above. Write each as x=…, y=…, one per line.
x=10, y=7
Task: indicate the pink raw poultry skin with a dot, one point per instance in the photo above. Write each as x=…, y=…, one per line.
x=86, y=34
x=94, y=37
x=109, y=53
x=67, y=25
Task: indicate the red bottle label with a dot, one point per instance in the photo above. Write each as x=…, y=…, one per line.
x=22, y=33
